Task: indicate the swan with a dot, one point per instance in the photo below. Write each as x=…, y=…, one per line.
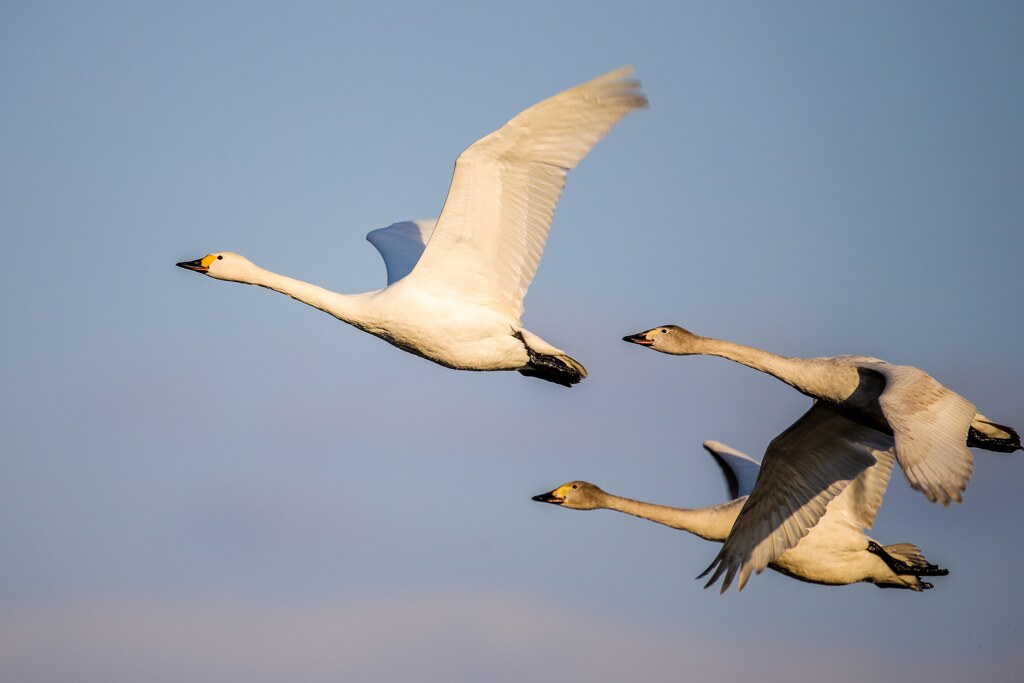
x=834, y=552
x=932, y=425
x=861, y=405
x=456, y=297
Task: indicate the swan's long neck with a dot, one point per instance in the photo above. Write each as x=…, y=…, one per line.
x=800, y=373
x=713, y=523
x=349, y=308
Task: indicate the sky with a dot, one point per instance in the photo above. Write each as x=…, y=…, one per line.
x=208, y=482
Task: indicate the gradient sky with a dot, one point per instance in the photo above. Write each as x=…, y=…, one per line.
x=208, y=482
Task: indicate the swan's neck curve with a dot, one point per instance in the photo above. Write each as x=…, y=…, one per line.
x=353, y=309
x=712, y=523
x=800, y=373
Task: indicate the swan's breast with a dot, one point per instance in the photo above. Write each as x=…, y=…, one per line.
x=451, y=332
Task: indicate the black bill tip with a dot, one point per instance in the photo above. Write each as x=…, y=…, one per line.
x=196, y=265
x=547, y=498
x=640, y=339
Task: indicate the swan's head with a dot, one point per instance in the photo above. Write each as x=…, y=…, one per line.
x=223, y=265
x=667, y=339
x=576, y=495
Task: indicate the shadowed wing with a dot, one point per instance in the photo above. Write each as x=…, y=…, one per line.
x=400, y=245
x=492, y=231
x=739, y=470
x=803, y=469
x=863, y=497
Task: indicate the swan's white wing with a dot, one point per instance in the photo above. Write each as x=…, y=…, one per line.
x=930, y=424
x=401, y=244
x=803, y=469
x=740, y=471
x=863, y=497
x=495, y=222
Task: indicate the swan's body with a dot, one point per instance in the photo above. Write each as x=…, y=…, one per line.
x=863, y=406
x=835, y=552
x=456, y=296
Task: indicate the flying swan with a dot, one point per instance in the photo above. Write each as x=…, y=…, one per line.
x=459, y=303
x=932, y=425
x=857, y=401
x=835, y=552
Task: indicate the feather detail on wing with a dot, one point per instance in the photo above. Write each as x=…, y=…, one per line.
x=930, y=424
x=740, y=471
x=863, y=497
x=495, y=223
x=400, y=245
x=803, y=469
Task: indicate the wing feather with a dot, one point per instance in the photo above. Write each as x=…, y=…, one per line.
x=495, y=222
x=930, y=424
x=740, y=471
x=803, y=469
x=863, y=497
x=400, y=245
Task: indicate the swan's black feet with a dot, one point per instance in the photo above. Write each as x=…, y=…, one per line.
x=901, y=567
x=549, y=368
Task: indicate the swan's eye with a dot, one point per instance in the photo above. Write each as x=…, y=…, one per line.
x=220, y=257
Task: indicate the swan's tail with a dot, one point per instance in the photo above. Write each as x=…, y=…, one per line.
x=992, y=437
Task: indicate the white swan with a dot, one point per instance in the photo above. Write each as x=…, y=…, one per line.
x=863, y=405
x=835, y=552
x=459, y=303
x=932, y=425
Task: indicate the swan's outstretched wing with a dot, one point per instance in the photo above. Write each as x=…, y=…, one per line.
x=740, y=471
x=495, y=222
x=863, y=497
x=930, y=424
x=803, y=469
x=401, y=244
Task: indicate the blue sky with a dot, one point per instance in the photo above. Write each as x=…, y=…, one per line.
x=203, y=481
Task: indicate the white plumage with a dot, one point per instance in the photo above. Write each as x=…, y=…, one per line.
x=836, y=551
x=863, y=407
x=455, y=292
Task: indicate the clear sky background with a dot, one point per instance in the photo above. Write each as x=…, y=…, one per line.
x=208, y=482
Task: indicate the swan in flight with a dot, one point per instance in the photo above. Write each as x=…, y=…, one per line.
x=932, y=426
x=455, y=290
x=834, y=552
